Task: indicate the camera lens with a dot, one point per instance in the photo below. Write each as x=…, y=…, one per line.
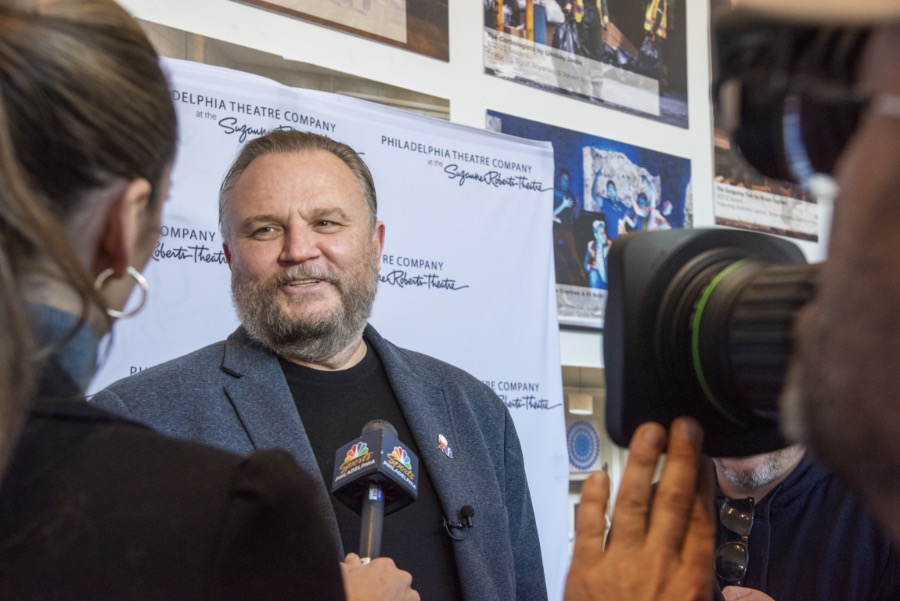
x=725, y=325
x=699, y=323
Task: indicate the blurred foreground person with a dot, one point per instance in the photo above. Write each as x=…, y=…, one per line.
x=841, y=398
x=93, y=506
x=773, y=508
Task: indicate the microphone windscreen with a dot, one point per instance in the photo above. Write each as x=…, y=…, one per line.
x=379, y=424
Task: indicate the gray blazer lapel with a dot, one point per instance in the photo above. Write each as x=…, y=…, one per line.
x=426, y=412
x=263, y=401
x=428, y=416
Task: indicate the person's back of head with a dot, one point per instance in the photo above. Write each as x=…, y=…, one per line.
x=83, y=105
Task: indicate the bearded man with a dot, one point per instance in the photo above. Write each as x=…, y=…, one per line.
x=305, y=372
x=790, y=529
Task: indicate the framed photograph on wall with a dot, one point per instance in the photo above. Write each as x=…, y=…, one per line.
x=627, y=55
x=419, y=26
x=745, y=198
x=602, y=189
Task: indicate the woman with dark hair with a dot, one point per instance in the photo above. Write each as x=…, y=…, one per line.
x=93, y=506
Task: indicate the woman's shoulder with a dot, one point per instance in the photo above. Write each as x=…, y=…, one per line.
x=89, y=495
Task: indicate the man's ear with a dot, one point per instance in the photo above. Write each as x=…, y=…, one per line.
x=227, y=250
x=378, y=240
x=122, y=227
x=378, y=236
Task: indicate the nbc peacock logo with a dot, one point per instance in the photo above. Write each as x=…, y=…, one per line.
x=400, y=456
x=356, y=454
x=357, y=450
x=398, y=460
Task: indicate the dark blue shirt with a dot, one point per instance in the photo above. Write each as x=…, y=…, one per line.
x=812, y=540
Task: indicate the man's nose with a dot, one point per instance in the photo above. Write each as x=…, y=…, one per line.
x=300, y=244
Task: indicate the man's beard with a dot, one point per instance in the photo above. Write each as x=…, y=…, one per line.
x=308, y=339
x=774, y=467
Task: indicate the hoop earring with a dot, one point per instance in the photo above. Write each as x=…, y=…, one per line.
x=141, y=282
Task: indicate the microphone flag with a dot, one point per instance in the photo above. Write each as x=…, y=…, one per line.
x=376, y=456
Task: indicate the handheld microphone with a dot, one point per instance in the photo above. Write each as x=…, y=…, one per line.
x=375, y=475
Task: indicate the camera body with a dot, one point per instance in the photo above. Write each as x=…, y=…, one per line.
x=699, y=323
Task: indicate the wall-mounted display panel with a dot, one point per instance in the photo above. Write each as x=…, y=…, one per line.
x=629, y=55
x=745, y=198
x=418, y=25
x=602, y=189
x=180, y=44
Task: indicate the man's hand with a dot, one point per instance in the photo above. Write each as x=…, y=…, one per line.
x=378, y=580
x=740, y=593
x=659, y=552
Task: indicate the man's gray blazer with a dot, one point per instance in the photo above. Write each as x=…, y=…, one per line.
x=233, y=395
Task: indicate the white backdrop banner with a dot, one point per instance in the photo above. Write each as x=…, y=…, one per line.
x=466, y=276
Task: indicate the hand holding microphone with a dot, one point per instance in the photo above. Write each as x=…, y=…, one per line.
x=378, y=580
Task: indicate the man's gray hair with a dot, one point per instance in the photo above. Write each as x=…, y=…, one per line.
x=287, y=141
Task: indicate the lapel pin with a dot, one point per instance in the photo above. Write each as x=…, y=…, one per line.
x=444, y=446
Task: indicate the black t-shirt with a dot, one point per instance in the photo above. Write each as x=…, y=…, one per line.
x=334, y=406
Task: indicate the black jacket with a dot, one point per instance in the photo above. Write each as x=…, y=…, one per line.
x=812, y=540
x=94, y=506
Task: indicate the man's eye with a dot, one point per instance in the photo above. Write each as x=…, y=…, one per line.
x=263, y=232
